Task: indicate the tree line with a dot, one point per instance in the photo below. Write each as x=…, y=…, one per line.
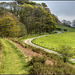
x=69, y=23
x=10, y=26
x=36, y=18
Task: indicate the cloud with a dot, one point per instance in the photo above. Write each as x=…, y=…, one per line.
x=63, y=9
x=68, y=18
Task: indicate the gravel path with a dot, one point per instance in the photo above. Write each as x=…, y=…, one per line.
x=29, y=42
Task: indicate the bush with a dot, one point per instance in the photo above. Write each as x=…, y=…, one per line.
x=37, y=59
x=59, y=29
x=65, y=29
x=36, y=50
x=38, y=68
x=66, y=52
x=59, y=68
x=54, y=32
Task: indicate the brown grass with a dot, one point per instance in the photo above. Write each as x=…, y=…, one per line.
x=27, y=51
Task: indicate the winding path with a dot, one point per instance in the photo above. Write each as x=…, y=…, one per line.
x=29, y=42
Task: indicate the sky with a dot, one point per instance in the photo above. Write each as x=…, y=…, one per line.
x=6, y=0
x=62, y=9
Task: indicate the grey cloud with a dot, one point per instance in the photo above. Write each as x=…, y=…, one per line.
x=63, y=9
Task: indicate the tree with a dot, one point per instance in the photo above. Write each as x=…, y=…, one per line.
x=8, y=27
x=73, y=23
x=21, y=1
x=1, y=11
x=58, y=22
x=51, y=22
x=34, y=17
x=64, y=22
x=68, y=23
x=3, y=4
x=44, y=5
x=23, y=30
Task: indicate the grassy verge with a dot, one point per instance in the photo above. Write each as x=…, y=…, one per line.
x=13, y=60
x=40, y=67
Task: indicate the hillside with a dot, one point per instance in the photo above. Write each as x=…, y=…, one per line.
x=19, y=28
x=37, y=18
x=23, y=20
x=69, y=29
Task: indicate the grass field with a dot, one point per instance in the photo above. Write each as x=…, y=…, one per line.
x=54, y=41
x=69, y=29
x=13, y=60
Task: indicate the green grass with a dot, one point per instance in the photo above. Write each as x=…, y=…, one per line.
x=54, y=41
x=0, y=55
x=59, y=66
x=69, y=29
x=13, y=60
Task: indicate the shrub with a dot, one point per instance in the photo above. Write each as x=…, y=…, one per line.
x=37, y=59
x=59, y=68
x=65, y=29
x=36, y=50
x=59, y=29
x=38, y=68
x=66, y=52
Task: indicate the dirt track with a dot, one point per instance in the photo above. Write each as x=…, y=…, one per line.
x=29, y=42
